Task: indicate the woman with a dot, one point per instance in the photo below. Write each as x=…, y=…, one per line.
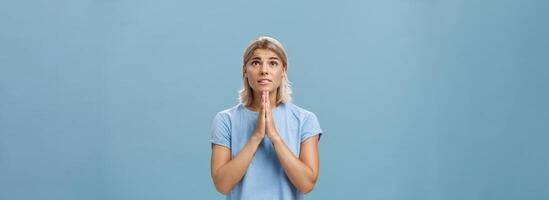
x=265, y=147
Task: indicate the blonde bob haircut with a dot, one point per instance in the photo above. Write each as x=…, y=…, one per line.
x=284, y=91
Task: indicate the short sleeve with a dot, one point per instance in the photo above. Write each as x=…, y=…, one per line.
x=310, y=127
x=221, y=131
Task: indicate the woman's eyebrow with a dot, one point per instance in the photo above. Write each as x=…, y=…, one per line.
x=273, y=58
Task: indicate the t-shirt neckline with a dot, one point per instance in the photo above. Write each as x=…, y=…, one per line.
x=257, y=113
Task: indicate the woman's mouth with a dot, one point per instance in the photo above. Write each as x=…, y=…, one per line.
x=264, y=81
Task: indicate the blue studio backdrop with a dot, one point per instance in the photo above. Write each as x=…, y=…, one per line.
x=418, y=99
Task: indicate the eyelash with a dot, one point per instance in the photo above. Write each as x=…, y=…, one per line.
x=273, y=63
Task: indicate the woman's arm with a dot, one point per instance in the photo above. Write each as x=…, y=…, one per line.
x=226, y=172
x=302, y=171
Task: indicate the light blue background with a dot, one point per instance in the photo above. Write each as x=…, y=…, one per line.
x=419, y=99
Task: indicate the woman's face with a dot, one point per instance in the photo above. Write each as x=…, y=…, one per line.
x=264, y=70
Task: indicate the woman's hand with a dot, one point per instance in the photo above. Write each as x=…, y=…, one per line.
x=265, y=123
x=270, y=127
x=260, y=125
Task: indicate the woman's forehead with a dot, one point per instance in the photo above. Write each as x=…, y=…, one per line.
x=264, y=54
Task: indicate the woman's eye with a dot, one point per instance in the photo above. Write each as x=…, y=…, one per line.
x=274, y=64
x=254, y=63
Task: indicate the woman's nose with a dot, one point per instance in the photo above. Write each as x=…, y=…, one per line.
x=264, y=69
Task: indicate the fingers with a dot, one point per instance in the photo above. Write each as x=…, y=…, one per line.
x=261, y=121
x=270, y=129
x=265, y=103
x=268, y=103
x=263, y=100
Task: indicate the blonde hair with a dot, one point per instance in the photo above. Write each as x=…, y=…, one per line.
x=284, y=91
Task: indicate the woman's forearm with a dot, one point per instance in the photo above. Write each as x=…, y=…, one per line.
x=226, y=176
x=301, y=175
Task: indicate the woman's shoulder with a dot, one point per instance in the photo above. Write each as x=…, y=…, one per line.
x=297, y=111
x=227, y=112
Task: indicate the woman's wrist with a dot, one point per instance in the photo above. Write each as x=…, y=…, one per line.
x=257, y=136
x=275, y=138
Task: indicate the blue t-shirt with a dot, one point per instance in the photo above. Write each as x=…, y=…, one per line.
x=265, y=177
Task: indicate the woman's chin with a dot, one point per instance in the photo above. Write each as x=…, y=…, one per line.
x=263, y=88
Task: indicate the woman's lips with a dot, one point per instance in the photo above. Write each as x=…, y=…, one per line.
x=264, y=81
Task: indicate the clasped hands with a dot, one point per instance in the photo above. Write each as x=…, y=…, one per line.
x=265, y=123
